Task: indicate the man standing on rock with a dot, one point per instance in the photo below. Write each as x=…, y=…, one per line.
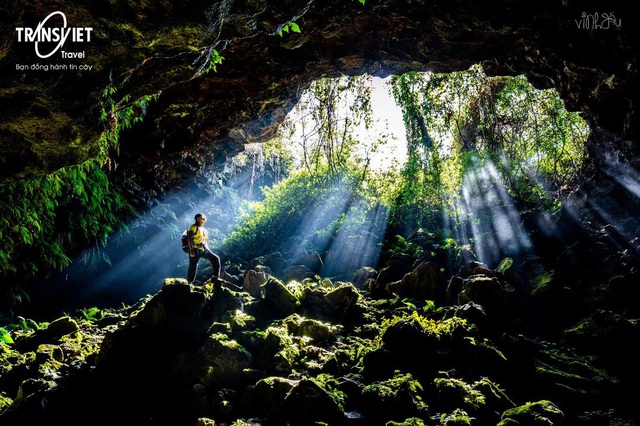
x=197, y=238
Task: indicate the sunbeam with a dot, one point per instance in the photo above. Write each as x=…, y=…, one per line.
x=495, y=225
x=358, y=242
x=317, y=226
x=134, y=263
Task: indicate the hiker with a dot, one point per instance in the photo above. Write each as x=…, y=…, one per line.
x=197, y=237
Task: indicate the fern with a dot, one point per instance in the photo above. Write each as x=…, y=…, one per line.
x=46, y=218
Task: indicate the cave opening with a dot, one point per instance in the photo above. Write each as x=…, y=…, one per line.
x=449, y=159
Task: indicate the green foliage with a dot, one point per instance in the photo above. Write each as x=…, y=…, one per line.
x=5, y=401
x=436, y=328
x=504, y=265
x=116, y=117
x=91, y=314
x=332, y=386
x=468, y=394
x=461, y=124
x=44, y=219
x=214, y=60
x=401, y=245
x=5, y=337
x=457, y=417
x=412, y=421
x=394, y=390
x=46, y=215
x=291, y=205
x=324, y=120
x=465, y=131
x=289, y=26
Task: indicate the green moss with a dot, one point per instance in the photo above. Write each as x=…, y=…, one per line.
x=541, y=412
x=412, y=421
x=458, y=417
x=396, y=388
x=436, y=328
x=5, y=401
x=542, y=281
x=468, y=395
x=330, y=386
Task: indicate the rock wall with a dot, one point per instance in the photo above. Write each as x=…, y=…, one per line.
x=52, y=118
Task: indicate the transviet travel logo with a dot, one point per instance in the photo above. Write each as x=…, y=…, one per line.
x=50, y=39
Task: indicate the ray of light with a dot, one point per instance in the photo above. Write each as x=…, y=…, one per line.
x=495, y=229
x=358, y=242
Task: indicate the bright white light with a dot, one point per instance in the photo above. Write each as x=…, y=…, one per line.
x=387, y=120
x=387, y=125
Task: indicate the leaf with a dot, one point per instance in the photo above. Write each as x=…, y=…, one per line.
x=504, y=264
x=289, y=26
x=5, y=337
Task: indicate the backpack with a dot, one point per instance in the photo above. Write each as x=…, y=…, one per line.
x=185, y=244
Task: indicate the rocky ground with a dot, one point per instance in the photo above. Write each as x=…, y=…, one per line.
x=531, y=343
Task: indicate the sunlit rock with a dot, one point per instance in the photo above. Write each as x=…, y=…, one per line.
x=56, y=329
x=469, y=268
x=253, y=282
x=266, y=397
x=278, y=353
x=297, y=272
x=319, y=360
x=455, y=286
x=312, y=330
x=310, y=260
x=329, y=304
x=490, y=294
x=178, y=307
x=395, y=268
x=398, y=397
x=274, y=261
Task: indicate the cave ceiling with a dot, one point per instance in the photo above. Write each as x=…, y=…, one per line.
x=51, y=118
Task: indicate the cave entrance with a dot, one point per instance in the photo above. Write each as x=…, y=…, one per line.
x=439, y=158
x=363, y=168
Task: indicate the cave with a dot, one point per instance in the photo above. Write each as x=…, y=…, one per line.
x=161, y=95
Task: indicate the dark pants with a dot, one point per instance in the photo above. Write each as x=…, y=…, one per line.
x=205, y=254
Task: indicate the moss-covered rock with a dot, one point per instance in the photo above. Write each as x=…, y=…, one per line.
x=221, y=362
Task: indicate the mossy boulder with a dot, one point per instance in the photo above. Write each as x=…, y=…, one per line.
x=221, y=362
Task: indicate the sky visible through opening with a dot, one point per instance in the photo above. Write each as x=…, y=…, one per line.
x=387, y=119
x=387, y=123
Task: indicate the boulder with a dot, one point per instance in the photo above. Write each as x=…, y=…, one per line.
x=253, y=282
x=297, y=273
x=425, y=282
x=220, y=362
x=280, y=296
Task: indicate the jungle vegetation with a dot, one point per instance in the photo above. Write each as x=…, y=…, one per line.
x=476, y=146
